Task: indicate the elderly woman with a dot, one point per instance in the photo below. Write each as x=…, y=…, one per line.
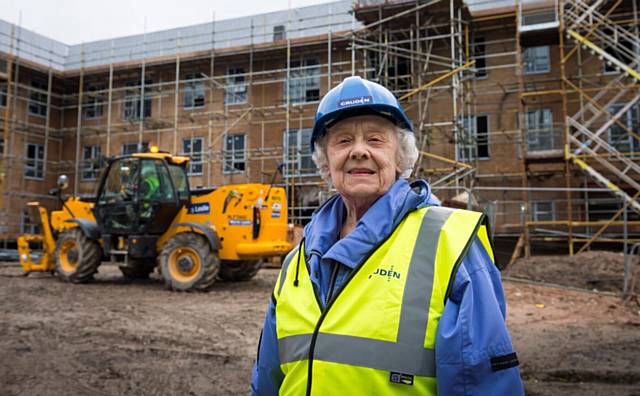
x=388, y=293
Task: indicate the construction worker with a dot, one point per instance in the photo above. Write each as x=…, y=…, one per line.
x=150, y=184
x=387, y=293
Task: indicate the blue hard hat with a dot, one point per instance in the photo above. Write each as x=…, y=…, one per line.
x=355, y=97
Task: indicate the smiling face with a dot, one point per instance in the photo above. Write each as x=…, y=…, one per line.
x=361, y=152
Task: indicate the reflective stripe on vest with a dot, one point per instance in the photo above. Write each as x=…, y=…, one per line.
x=377, y=335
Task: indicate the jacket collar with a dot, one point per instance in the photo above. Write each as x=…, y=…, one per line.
x=321, y=234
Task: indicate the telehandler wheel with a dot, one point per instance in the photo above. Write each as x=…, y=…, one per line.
x=77, y=257
x=237, y=271
x=138, y=269
x=188, y=263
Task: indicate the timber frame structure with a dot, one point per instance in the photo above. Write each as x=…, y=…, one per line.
x=527, y=110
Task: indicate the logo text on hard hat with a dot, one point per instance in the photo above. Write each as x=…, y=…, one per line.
x=355, y=101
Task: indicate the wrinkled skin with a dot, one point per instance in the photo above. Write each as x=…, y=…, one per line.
x=361, y=152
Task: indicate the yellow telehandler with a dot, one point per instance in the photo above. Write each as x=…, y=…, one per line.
x=145, y=215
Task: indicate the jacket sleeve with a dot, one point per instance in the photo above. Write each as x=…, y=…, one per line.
x=267, y=375
x=474, y=353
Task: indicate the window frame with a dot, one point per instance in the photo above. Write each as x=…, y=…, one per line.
x=88, y=172
x=279, y=32
x=26, y=226
x=535, y=212
x=474, y=133
x=629, y=119
x=482, y=73
x=3, y=95
x=536, y=71
x=609, y=49
x=303, y=69
x=37, y=99
x=38, y=163
x=192, y=86
x=94, y=102
x=236, y=156
x=539, y=128
x=141, y=147
x=132, y=94
x=232, y=80
x=193, y=155
x=302, y=151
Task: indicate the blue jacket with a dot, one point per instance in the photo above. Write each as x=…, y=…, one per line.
x=472, y=343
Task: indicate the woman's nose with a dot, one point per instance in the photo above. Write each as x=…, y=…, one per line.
x=359, y=151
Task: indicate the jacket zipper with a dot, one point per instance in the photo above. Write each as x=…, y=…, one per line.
x=330, y=302
x=332, y=283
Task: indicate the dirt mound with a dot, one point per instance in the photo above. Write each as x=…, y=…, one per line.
x=595, y=270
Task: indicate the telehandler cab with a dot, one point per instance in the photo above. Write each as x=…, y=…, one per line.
x=145, y=215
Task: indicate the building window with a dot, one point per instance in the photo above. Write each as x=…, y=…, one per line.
x=3, y=95
x=543, y=211
x=27, y=225
x=618, y=136
x=372, y=67
x=34, y=167
x=234, y=153
x=540, y=130
x=297, y=159
x=132, y=104
x=135, y=147
x=605, y=209
x=474, y=143
x=38, y=99
x=479, y=55
x=619, y=47
x=279, y=33
x=304, y=80
x=93, y=102
x=235, y=87
x=90, y=162
x=192, y=147
x=536, y=60
x=193, y=92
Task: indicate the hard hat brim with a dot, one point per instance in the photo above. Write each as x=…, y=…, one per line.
x=385, y=111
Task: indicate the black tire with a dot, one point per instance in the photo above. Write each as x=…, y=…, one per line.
x=238, y=271
x=188, y=263
x=138, y=269
x=77, y=257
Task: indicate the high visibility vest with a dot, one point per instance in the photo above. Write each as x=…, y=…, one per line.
x=152, y=183
x=377, y=335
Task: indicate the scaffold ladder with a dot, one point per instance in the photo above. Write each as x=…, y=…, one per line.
x=586, y=25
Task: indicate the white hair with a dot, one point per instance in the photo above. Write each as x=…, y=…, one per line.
x=406, y=155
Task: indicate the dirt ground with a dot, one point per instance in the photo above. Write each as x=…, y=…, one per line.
x=595, y=270
x=113, y=337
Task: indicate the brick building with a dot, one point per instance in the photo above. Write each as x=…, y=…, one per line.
x=528, y=108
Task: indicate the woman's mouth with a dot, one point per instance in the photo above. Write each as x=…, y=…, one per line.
x=361, y=172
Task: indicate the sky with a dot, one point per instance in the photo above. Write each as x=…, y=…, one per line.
x=78, y=21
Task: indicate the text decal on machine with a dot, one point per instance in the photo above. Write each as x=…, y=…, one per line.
x=199, y=208
x=239, y=222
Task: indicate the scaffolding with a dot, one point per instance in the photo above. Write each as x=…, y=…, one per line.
x=461, y=75
x=419, y=50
